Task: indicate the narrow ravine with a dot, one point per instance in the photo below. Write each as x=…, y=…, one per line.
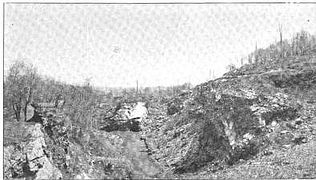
x=134, y=146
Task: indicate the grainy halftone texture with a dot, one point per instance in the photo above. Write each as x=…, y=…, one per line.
x=116, y=45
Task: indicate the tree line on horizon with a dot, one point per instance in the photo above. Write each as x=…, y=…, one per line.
x=301, y=43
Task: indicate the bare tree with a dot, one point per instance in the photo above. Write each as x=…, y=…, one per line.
x=136, y=87
x=20, y=84
x=256, y=54
x=280, y=29
x=250, y=59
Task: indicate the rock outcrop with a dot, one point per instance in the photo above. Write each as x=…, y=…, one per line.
x=30, y=159
x=230, y=118
x=37, y=157
x=127, y=116
x=41, y=154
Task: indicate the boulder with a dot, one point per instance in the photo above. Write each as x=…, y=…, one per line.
x=29, y=112
x=139, y=111
x=128, y=117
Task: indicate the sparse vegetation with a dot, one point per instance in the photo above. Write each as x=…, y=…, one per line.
x=19, y=88
x=300, y=44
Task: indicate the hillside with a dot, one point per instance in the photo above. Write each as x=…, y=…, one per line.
x=240, y=124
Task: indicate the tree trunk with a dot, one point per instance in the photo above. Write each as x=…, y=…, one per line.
x=281, y=40
x=17, y=111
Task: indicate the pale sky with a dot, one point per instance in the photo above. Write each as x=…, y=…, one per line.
x=115, y=45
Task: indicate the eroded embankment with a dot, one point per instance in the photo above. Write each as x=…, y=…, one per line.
x=231, y=118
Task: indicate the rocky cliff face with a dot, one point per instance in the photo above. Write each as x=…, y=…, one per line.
x=31, y=158
x=233, y=117
x=44, y=147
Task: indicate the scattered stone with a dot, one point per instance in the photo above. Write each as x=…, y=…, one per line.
x=82, y=176
x=287, y=146
x=298, y=121
x=274, y=123
x=311, y=101
x=284, y=132
x=267, y=153
x=300, y=140
x=291, y=125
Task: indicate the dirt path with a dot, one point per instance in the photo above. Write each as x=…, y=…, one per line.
x=143, y=166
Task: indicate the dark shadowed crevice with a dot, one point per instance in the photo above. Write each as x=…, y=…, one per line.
x=129, y=125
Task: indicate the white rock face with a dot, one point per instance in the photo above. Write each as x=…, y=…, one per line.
x=48, y=171
x=82, y=176
x=139, y=111
x=230, y=132
x=37, y=160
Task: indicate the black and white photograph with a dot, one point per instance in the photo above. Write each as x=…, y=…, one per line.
x=158, y=90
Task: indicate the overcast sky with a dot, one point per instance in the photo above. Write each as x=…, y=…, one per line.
x=115, y=45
